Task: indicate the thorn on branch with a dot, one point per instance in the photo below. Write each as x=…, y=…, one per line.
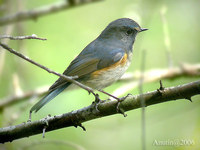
x=189, y=98
x=161, y=89
x=80, y=125
x=47, y=124
x=161, y=86
x=46, y=119
x=43, y=132
x=76, y=123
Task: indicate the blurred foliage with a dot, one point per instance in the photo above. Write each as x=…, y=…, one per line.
x=68, y=32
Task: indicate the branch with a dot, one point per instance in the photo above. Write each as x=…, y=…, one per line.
x=186, y=70
x=38, y=12
x=75, y=118
x=33, y=36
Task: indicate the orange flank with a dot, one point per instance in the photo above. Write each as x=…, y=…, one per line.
x=121, y=63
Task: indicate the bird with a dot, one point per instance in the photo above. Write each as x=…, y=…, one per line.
x=100, y=63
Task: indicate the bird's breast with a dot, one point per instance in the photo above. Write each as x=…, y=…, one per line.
x=106, y=76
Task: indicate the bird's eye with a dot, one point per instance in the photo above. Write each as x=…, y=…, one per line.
x=129, y=32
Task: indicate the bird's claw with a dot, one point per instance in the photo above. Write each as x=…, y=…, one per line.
x=120, y=110
x=97, y=101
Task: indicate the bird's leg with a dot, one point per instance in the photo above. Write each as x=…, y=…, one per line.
x=119, y=100
x=97, y=99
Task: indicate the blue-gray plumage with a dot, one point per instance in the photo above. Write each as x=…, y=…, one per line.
x=102, y=62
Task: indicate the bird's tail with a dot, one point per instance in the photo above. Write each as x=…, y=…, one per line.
x=48, y=97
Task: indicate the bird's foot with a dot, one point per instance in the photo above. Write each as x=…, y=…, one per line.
x=97, y=101
x=121, y=110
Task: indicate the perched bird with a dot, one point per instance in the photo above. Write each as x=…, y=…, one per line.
x=100, y=63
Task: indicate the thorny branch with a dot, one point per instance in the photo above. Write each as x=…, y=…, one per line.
x=38, y=12
x=75, y=118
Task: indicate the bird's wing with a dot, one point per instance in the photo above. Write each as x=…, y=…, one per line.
x=78, y=67
x=85, y=64
x=111, y=58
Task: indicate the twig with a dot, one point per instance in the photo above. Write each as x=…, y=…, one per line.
x=38, y=12
x=186, y=70
x=104, y=109
x=33, y=36
x=68, y=78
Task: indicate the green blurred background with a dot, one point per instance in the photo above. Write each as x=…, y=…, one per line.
x=68, y=32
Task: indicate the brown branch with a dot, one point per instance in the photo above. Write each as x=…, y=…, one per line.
x=75, y=118
x=186, y=70
x=38, y=12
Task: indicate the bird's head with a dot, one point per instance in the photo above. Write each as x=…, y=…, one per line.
x=123, y=29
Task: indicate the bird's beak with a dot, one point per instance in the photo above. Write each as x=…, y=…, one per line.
x=143, y=29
